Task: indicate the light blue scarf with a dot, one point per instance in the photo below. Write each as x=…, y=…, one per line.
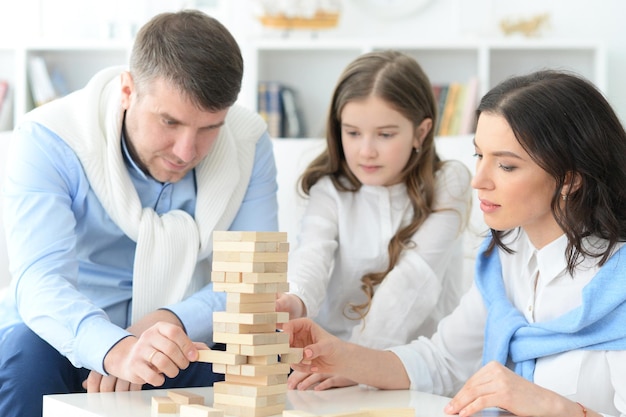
x=599, y=323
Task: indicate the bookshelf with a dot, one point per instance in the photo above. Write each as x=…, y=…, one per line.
x=311, y=66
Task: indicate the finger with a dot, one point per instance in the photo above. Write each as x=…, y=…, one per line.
x=135, y=387
x=326, y=383
x=162, y=363
x=310, y=381
x=107, y=384
x=176, y=345
x=295, y=378
x=93, y=381
x=121, y=385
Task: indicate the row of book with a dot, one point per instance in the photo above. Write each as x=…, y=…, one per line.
x=456, y=103
x=6, y=105
x=278, y=105
x=45, y=84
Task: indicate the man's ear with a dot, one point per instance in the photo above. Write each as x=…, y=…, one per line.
x=421, y=131
x=128, y=89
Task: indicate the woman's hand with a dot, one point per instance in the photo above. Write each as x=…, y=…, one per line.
x=291, y=304
x=494, y=385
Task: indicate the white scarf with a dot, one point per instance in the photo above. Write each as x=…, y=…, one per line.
x=172, y=250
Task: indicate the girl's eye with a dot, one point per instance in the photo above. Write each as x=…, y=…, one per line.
x=386, y=135
x=506, y=168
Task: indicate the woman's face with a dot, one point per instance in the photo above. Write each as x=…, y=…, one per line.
x=512, y=189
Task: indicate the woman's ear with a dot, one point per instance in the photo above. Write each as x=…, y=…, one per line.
x=421, y=131
x=572, y=183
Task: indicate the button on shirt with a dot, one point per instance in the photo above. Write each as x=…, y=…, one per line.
x=75, y=245
x=595, y=378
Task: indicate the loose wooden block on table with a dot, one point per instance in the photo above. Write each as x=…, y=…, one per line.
x=196, y=410
x=185, y=397
x=298, y=413
x=163, y=405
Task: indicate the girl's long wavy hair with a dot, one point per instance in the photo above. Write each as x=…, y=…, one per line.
x=400, y=81
x=570, y=130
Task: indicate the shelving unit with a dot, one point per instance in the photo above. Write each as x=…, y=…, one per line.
x=311, y=66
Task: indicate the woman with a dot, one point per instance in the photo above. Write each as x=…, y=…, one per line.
x=541, y=332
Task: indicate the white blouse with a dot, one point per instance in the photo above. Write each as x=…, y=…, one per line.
x=344, y=235
x=596, y=379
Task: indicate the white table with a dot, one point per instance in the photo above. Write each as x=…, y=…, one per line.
x=137, y=404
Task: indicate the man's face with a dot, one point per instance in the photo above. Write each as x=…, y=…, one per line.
x=167, y=134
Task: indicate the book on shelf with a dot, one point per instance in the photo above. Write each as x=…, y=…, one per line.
x=278, y=105
x=41, y=86
x=456, y=103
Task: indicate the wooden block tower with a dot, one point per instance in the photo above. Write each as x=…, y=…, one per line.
x=251, y=267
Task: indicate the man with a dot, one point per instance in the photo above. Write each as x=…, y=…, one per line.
x=110, y=203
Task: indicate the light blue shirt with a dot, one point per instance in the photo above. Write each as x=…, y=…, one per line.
x=72, y=267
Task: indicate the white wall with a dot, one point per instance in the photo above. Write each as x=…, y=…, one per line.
x=602, y=20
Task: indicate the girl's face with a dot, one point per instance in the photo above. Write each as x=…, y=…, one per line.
x=513, y=190
x=378, y=141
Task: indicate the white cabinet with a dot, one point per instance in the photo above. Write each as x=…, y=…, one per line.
x=312, y=66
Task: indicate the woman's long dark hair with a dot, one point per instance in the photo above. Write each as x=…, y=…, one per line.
x=570, y=130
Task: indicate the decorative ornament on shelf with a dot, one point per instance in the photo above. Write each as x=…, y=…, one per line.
x=391, y=9
x=531, y=27
x=300, y=14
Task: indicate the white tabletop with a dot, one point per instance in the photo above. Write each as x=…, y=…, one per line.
x=137, y=404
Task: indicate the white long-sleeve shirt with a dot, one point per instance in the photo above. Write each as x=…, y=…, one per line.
x=595, y=378
x=344, y=235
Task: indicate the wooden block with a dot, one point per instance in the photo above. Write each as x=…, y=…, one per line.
x=247, y=390
x=250, y=307
x=218, y=276
x=219, y=356
x=260, y=401
x=263, y=360
x=251, y=370
x=243, y=328
x=263, y=277
x=225, y=246
x=196, y=410
x=246, y=236
x=256, y=339
x=293, y=356
x=243, y=298
x=256, y=370
x=391, y=412
x=163, y=405
x=251, y=318
x=219, y=256
x=260, y=350
x=185, y=397
x=298, y=413
x=272, y=287
x=353, y=414
x=241, y=411
x=258, y=380
x=249, y=266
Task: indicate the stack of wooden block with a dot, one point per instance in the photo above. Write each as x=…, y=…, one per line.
x=251, y=267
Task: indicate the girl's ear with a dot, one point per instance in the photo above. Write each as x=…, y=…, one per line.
x=421, y=131
x=571, y=184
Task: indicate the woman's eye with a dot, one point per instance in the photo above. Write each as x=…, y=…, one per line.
x=478, y=155
x=506, y=168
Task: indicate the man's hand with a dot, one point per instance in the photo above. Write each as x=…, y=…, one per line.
x=161, y=350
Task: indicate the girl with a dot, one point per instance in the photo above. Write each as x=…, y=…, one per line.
x=546, y=314
x=379, y=254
